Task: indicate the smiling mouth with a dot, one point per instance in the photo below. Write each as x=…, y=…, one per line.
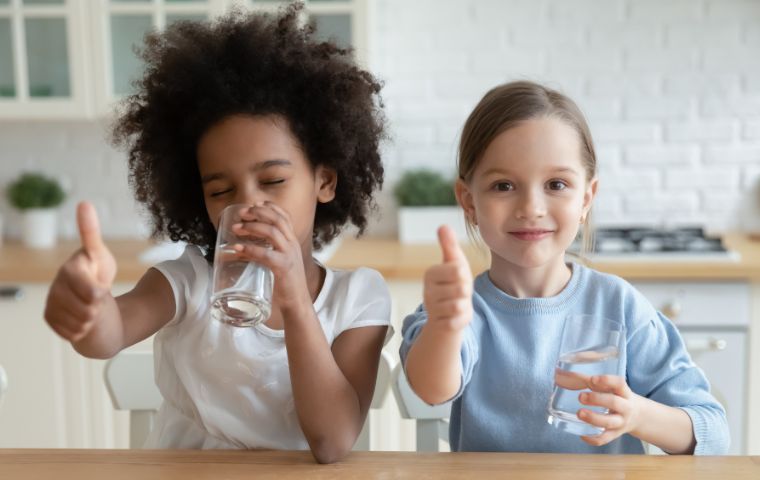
x=531, y=234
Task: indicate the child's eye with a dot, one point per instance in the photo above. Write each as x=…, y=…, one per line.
x=273, y=182
x=503, y=187
x=557, y=185
x=221, y=192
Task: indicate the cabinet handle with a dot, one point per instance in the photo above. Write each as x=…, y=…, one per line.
x=672, y=310
x=3, y=383
x=12, y=292
x=706, y=345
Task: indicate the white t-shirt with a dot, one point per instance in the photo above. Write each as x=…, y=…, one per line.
x=229, y=387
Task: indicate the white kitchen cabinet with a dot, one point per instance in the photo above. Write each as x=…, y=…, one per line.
x=713, y=318
x=55, y=398
x=43, y=60
x=75, y=58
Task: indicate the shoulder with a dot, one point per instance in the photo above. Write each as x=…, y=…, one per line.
x=189, y=267
x=356, y=298
x=359, y=283
x=616, y=293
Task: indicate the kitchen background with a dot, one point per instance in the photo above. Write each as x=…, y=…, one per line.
x=671, y=89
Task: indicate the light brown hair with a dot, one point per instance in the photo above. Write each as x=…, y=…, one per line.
x=508, y=105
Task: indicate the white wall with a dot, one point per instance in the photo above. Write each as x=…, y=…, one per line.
x=671, y=88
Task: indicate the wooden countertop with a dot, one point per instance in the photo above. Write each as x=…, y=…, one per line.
x=284, y=465
x=394, y=260
x=22, y=264
x=408, y=262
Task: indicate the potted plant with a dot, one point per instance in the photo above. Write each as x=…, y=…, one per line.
x=37, y=198
x=426, y=201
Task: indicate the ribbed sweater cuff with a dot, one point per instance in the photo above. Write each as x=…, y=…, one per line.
x=701, y=429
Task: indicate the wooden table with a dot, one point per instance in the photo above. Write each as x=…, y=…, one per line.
x=223, y=464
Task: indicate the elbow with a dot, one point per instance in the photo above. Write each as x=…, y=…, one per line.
x=437, y=398
x=97, y=354
x=434, y=394
x=330, y=449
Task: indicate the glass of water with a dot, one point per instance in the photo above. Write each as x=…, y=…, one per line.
x=242, y=289
x=590, y=346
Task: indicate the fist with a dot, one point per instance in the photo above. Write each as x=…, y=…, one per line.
x=448, y=286
x=82, y=284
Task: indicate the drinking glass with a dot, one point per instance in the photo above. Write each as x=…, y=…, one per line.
x=242, y=289
x=590, y=345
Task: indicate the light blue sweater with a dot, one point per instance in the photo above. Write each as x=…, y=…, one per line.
x=508, y=359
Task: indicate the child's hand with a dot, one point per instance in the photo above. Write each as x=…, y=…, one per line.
x=272, y=224
x=448, y=286
x=77, y=294
x=610, y=392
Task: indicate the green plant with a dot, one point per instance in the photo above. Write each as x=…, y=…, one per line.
x=424, y=188
x=33, y=190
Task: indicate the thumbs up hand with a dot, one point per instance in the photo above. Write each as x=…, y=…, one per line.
x=448, y=286
x=83, y=283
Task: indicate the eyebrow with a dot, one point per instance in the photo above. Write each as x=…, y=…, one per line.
x=492, y=171
x=259, y=166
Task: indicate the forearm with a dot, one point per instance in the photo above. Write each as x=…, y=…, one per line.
x=106, y=337
x=433, y=365
x=666, y=427
x=327, y=405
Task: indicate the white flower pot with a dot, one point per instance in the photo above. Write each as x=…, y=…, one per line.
x=420, y=224
x=39, y=227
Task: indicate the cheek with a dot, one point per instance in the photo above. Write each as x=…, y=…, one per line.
x=213, y=216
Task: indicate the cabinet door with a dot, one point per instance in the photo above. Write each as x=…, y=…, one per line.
x=33, y=412
x=123, y=25
x=42, y=59
x=55, y=398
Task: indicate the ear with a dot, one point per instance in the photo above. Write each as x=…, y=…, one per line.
x=588, y=196
x=465, y=200
x=325, y=180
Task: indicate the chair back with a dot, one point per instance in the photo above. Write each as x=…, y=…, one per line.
x=431, y=420
x=382, y=386
x=130, y=382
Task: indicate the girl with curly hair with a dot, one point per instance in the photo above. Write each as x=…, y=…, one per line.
x=247, y=109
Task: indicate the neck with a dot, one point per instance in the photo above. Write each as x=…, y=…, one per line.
x=315, y=275
x=529, y=282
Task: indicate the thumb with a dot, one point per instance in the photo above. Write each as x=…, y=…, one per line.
x=89, y=228
x=452, y=252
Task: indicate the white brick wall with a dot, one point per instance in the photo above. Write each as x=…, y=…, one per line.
x=671, y=89
x=78, y=154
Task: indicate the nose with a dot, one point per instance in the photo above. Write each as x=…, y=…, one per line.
x=531, y=204
x=248, y=194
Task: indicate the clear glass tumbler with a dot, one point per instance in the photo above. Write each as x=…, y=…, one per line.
x=242, y=289
x=590, y=345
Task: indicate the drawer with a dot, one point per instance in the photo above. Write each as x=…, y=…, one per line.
x=710, y=304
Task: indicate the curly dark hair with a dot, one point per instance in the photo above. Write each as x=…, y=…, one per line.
x=198, y=73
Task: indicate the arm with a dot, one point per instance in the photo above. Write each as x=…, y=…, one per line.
x=672, y=407
x=81, y=308
x=332, y=389
x=433, y=365
x=666, y=427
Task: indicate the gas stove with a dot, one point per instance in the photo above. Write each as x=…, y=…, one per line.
x=677, y=244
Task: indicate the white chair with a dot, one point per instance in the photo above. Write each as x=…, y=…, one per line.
x=382, y=385
x=130, y=384
x=432, y=422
